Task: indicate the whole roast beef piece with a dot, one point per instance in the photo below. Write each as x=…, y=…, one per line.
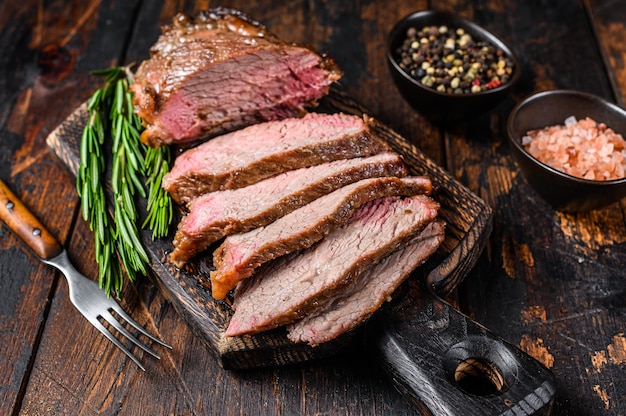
x=220, y=71
x=291, y=287
x=217, y=214
x=240, y=254
x=246, y=156
x=356, y=303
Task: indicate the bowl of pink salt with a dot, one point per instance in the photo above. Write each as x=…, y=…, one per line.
x=569, y=146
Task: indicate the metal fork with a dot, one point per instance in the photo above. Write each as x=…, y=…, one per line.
x=85, y=293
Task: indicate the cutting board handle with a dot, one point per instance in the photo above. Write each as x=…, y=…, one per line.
x=447, y=364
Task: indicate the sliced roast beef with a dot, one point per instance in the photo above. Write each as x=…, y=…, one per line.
x=350, y=307
x=220, y=71
x=217, y=214
x=246, y=156
x=240, y=254
x=289, y=288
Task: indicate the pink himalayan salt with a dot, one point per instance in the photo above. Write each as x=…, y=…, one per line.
x=584, y=148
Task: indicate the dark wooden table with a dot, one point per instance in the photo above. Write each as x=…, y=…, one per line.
x=553, y=284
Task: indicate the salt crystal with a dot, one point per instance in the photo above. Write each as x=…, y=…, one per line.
x=577, y=147
x=606, y=150
x=589, y=175
x=571, y=120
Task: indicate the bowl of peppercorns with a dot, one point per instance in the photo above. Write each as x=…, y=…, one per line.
x=448, y=68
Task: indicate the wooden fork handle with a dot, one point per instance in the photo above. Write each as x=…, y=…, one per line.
x=26, y=226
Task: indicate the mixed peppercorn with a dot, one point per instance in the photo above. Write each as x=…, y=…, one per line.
x=451, y=61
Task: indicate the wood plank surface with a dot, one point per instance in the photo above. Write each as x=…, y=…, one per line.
x=563, y=270
x=36, y=67
x=552, y=284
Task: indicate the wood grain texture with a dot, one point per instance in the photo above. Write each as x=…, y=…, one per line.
x=25, y=225
x=559, y=272
x=30, y=83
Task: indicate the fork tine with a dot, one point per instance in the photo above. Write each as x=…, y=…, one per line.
x=117, y=325
x=118, y=309
x=95, y=322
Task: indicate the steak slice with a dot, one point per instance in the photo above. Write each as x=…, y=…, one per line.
x=220, y=71
x=217, y=214
x=247, y=156
x=240, y=254
x=292, y=286
x=357, y=302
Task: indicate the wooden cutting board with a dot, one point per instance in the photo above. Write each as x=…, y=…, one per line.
x=437, y=357
x=468, y=224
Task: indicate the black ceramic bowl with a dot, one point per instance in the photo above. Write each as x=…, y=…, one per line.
x=564, y=192
x=445, y=107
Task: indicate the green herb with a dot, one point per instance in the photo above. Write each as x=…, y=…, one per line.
x=117, y=236
x=160, y=205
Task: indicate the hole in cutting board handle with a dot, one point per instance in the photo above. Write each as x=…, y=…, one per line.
x=479, y=377
x=481, y=366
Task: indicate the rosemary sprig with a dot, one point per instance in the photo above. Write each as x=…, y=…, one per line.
x=89, y=184
x=111, y=116
x=160, y=204
x=128, y=164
